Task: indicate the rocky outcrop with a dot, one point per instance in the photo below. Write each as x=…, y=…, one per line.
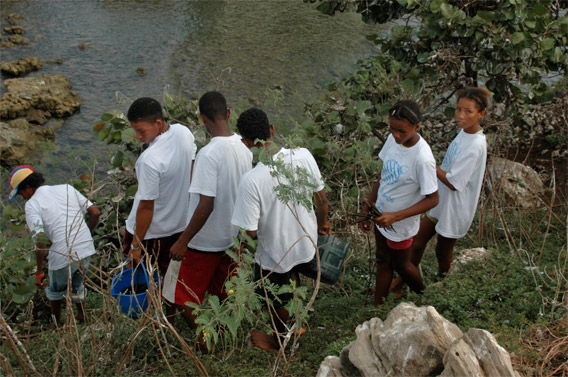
x=22, y=66
x=49, y=93
x=14, y=30
x=19, y=139
x=29, y=103
x=415, y=341
x=517, y=183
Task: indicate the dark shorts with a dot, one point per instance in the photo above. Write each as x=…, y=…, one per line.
x=279, y=280
x=157, y=248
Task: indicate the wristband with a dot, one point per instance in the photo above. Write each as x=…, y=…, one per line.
x=134, y=248
x=42, y=275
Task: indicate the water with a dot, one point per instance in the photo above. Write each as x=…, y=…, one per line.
x=238, y=47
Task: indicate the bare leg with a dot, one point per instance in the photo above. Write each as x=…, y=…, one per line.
x=384, y=269
x=81, y=312
x=171, y=310
x=190, y=318
x=270, y=342
x=56, y=311
x=444, y=253
x=408, y=271
x=425, y=234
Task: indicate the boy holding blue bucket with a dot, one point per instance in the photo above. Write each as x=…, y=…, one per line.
x=287, y=233
x=160, y=211
x=57, y=213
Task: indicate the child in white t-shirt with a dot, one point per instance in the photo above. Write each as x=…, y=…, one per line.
x=407, y=188
x=201, y=247
x=459, y=178
x=287, y=232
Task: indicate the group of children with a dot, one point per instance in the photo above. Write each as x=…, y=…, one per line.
x=189, y=206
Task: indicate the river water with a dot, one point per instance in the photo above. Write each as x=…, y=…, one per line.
x=238, y=47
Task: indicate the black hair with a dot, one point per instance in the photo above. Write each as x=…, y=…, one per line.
x=145, y=109
x=213, y=105
x=406, y=109
x=479, y=95
x=253, y=124
x=33, y=180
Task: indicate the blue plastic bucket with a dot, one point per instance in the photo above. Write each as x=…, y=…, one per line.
x=132, y=304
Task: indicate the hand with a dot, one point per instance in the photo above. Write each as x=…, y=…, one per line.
x=324, y=228
x=135, y=256
x=366, y=225
x=386, y=220
x=178, y=250
x=40, y=281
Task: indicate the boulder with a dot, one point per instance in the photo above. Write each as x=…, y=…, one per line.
x=50, y=93
x=517, y=183
x=362, y=353
x=21, y=66
x=19, y=139
x=412, y=341
x=467, y=255
x=415, y=341
x=330, y=367
x=477, y=354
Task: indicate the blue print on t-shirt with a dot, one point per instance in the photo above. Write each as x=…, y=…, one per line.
x=392, y=171
x=453, y=150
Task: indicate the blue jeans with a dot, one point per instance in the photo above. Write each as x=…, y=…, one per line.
x=58, y=280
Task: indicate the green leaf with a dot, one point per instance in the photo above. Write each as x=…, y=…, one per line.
x=116, y=159
x=448, y=11
x=21, y=299
x=106, y=117
x=558, y=55
x=517, y=38
x=435, y=5
x=131, y=190
x=486, y=15
x=538, y=10
x=104, y=133
x=450, y=111
x=424, y=56
x=362, y=106
x=215, y=305
x=371, y=37
x=129, y=135
x=547, y=44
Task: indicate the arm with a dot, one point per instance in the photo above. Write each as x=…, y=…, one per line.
x=322, y=206
x=94, y=214
x=144, y=216
x=441, y=174
x=200, y=216
x=366, y=225
x=388, y=218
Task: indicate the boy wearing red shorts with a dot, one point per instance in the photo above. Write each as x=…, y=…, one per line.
x=201, y=247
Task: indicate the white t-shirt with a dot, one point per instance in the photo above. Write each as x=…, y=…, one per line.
x=408, y=175
x=282, y=243
x=219, y=167
x=464, y=165
x=58, y=211
x=163, y=172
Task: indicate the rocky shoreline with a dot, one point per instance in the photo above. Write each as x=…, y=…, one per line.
x=29, y=102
